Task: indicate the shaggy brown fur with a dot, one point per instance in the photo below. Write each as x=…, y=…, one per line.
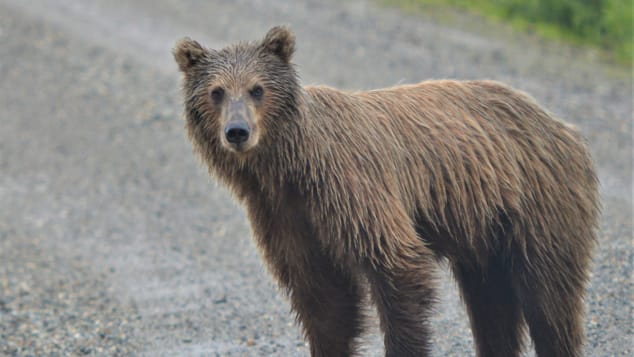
x=344, y=189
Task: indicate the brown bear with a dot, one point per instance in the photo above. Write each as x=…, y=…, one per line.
x=348, y=190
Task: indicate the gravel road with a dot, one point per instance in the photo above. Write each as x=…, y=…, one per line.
x=113, y=239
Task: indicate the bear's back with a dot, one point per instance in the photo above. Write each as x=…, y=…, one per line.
x=448, y=148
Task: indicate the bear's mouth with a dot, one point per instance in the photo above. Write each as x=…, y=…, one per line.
x=240, y=147
x=237, y=147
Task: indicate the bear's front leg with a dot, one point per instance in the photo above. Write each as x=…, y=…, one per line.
x=325, y=297
x=403, y=292
x=401, y=273
x=327, y=302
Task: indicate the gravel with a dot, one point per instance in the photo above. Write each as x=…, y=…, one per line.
x=113, y=239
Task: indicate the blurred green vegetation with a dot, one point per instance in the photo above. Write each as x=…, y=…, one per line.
x=604, y=23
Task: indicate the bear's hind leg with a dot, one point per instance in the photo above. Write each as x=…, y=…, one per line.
x=494, y=310
x=552, y=299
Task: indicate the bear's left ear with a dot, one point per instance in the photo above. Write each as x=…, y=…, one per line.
x=187, y=52
x=281, y=42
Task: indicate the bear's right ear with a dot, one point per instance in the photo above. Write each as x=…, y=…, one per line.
x=187, y=52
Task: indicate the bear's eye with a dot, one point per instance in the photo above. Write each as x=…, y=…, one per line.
x=217, y=94
x=257, y=92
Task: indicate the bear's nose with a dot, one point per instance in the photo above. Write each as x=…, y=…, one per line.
x=237, y=132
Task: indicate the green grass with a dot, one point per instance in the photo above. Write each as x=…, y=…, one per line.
x=607, y=24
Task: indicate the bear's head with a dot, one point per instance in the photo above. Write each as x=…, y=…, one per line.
x=238, y=98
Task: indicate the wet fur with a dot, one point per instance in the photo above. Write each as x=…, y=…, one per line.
x=349, y=188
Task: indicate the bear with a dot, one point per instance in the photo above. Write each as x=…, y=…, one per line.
x=358, y=196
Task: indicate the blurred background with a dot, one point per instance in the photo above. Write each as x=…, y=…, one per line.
x=114, y=241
